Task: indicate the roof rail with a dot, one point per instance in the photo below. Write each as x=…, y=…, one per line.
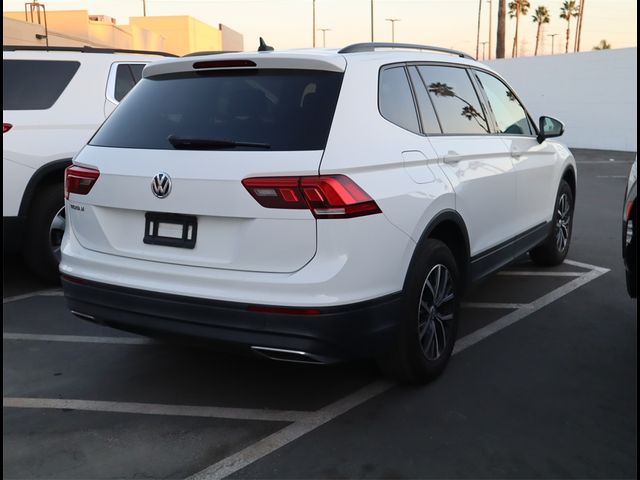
x=372, y=46
x=85, y=49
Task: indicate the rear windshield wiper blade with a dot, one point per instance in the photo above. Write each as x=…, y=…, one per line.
x=186, y=143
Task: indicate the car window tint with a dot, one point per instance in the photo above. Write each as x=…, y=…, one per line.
x=428, y=116
x=455, y=100
x=286, y=109
x=395, y=99
x=509, y=114
x=127, y=75
x=34, y=84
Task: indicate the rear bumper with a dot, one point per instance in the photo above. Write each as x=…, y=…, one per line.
x=329, y=334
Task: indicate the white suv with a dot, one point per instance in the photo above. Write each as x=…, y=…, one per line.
x=53, y=99
x=312, y=205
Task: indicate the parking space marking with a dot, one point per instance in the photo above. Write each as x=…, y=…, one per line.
x=279, y=439
x=288, y=434
x=79, y=339
x=499, y=306
x=251, y=414
x=522, y=273
x=38, y=293
x=586, y=265
x=521, y=313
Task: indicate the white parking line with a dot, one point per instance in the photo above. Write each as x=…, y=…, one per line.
x=78, y=339
x=498, y=306
x=534, y=306
x=542, y=273
x=38, y=293
x=586, y=265
x=273, y=442
x=291, y=432
x=157, y=409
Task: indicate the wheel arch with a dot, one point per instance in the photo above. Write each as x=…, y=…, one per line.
x=569, y=175
x=448, y=227
x=47, y=174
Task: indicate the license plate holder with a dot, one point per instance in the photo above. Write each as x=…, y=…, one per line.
x=170, y=229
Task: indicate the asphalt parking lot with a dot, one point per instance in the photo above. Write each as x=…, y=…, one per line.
x=543, y=384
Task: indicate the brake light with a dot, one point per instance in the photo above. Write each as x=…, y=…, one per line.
x=224, y=64
x=327, y=196
x=79, y=180
x=6, y=127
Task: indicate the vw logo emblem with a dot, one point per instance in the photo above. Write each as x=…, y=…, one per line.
x=161, y=185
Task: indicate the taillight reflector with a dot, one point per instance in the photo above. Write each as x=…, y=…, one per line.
x=79, y=180
x=327, y=196
x=6, y=127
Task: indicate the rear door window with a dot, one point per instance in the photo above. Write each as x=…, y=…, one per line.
x=455, y=100
x=283, y=109
x=428, y=115
x=395, y=99
x=34, y=84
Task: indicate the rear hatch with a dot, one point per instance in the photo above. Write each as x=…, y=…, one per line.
x=172, y=157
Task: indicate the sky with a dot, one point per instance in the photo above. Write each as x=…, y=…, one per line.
x=446, y=23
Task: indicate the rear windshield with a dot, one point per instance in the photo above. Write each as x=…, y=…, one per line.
x=278, y=109
x=34, y=84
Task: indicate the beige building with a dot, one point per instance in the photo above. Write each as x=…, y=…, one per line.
x=173, y=34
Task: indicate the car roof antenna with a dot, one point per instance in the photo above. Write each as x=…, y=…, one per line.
x=264, y=47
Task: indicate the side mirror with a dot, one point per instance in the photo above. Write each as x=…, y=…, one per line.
x=549, y=127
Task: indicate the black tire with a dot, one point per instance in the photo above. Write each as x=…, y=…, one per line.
x=39, y=255
x=554, y=249
x=411, y=358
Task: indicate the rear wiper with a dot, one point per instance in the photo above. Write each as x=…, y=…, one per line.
x=185, y=143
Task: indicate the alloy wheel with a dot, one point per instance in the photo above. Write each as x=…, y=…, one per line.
x=435, y=312
x=563, y=222
x=56, y=231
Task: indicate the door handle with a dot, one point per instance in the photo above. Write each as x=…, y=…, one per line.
x=452, y=157
x=516, y=153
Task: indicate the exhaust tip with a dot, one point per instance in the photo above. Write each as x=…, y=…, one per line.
x=284, y=355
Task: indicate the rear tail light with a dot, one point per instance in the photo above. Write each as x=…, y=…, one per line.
x=6, y=127
x=327, y=196
x=79, y=180
x=628, y=210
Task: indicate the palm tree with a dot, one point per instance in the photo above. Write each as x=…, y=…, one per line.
x=603, y=45
x=500, y=32
x=540, y=17
x=569, y=9
x=517, y=7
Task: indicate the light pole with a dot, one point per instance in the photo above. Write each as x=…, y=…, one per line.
x=144, y=8
x=553, y=42
x=372, y=20
x=324, y=31
x=478, y=35
x=393, y=28
x=314, y=24
x=490, y=2
x=483, y=45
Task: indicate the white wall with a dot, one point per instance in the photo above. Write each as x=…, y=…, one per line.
x=593, y=93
